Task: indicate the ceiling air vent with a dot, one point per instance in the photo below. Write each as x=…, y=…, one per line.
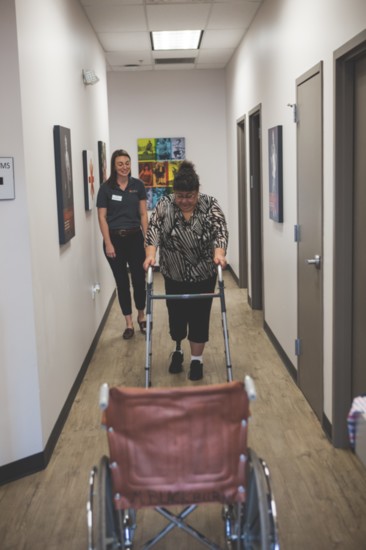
x=174, y=61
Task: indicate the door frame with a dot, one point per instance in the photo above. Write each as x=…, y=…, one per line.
x=256, y=299
x=343, y=59
x=242, y=202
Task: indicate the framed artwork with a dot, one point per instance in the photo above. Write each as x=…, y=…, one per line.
x=102, y=158
x=159, y=160
x=89, y=189
x=146, y=149
x=275, y=174
x=161, y=171
x=163, y=149
x=178, y=148
x=146, y=173
x=64, y=183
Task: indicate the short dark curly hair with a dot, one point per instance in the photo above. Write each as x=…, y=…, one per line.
x=186, y=179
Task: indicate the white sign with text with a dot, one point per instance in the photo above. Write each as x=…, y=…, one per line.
x=7, y=190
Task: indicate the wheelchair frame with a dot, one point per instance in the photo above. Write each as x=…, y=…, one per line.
x=248, y=525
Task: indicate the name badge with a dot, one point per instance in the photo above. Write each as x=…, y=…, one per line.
x=116, y=198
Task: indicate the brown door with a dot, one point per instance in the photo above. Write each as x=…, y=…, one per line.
x=310, y=228
x=256, y=299
x=359, y=233
x=242, y=204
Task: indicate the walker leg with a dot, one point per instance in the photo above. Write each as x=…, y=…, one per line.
x=225, y=328
x=149, y=308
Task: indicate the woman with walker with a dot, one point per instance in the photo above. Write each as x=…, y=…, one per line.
x=122, y=216
x=189, y=228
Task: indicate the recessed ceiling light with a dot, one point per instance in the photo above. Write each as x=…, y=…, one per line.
x=176, y=40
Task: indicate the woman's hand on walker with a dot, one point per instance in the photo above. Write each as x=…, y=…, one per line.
x=219, y=258
x=149, y=261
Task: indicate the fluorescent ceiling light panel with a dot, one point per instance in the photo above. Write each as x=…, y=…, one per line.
x=176, y=40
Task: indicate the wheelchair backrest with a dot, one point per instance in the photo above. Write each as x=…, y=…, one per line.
x=173, y=446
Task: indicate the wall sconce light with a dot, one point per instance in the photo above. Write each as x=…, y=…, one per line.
x=89, y=77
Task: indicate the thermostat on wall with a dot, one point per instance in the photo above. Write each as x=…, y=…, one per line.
x=7, y=190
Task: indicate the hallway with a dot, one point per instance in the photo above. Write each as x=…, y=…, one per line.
x=320, y=491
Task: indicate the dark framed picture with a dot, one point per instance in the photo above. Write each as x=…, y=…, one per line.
x=89, y=189
x=102, y=158
x=64, y=183
x=275, y=174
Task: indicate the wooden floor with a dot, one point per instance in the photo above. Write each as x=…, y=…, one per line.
x=320, y=491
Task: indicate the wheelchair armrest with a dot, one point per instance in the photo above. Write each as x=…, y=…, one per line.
x=250, y=388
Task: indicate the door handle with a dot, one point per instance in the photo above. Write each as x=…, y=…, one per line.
x=314, y=261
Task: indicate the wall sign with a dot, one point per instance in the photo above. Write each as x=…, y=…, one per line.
x=7, y=190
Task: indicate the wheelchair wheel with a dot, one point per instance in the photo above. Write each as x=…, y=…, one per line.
x=259, y=518
x=103, y=525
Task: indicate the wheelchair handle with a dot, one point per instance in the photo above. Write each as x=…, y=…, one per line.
x=103, y=396
x=250, y=388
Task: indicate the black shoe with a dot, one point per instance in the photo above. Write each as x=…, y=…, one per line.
x=176, y=364
x=196, y=370
x=128, y=333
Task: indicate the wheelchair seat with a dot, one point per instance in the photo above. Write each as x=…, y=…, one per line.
x=180, y=446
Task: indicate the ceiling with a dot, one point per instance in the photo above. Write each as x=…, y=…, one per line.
x=123, y=28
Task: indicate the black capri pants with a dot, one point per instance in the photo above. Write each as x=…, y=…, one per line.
x=130, y=252
x=192, y=316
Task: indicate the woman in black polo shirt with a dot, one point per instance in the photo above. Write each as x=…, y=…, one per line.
x=122, y=215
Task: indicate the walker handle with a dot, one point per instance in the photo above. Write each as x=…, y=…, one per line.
x=219, y=272
x=149, y=275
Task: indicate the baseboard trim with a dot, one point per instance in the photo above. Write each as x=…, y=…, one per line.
x=285, y=359
x=325, y=422
x=37, y=462
x=235, y=277
x=327, y=427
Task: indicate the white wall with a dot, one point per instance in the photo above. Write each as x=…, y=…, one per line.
x=288, y=37
x=174, y=104
x=48, y=318
x=18, y=355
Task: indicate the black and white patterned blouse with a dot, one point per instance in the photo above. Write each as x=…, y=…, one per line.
x=186, y=248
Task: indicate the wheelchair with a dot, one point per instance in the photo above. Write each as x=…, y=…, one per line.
x=180, y=447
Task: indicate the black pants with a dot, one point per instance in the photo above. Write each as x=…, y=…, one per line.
x=191, y=316
x=129, y=251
